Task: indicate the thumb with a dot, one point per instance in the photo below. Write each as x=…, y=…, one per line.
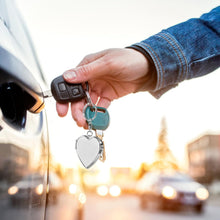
x=83, y=73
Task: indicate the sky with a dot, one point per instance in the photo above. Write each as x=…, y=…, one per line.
x=65, y=31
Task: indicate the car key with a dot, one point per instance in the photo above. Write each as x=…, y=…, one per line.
x=101, y=117
x=64, y=92
x=100, y=135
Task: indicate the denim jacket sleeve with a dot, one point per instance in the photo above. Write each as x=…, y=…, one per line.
x=184, y=51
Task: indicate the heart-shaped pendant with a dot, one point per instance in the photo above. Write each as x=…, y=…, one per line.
x=89, y=149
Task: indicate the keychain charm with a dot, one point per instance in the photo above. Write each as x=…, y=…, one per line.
x=89, y=148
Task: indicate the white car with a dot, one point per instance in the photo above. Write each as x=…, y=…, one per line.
x=171, y=190
x=24, y=141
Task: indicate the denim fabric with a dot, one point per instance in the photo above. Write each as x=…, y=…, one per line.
x=184, y=51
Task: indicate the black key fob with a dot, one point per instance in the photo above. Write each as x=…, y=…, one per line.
x=64, y=92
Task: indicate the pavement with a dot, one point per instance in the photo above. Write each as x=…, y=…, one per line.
x=214, y=200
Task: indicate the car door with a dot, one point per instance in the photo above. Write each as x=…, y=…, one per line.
x=24, y=144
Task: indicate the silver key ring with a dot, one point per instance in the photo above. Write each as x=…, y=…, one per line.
x=84, y=109
x=89, y=100
x=87, y=86
x=89, y=103
x=89, y=133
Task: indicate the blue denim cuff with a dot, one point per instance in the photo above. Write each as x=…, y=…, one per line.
x=169, y=60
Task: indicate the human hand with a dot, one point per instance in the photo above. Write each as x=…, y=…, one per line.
x=111, y=74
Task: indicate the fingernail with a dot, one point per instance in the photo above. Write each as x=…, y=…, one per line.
x=69, y=75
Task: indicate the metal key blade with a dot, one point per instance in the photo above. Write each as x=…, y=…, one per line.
x=100, y=135
x=47, y=94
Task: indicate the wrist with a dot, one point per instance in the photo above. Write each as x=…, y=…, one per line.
x=151, y=74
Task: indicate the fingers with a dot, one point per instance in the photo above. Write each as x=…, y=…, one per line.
x=85, y=72
x=62, y=109
x=104, y=102
x=92, y=57
x=77, y=113
x=90, y=67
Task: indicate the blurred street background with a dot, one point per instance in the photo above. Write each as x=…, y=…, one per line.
x=122, y=208
x=163, y=155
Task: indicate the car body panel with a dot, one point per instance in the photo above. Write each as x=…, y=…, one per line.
x=24, y=142
x=24, y=139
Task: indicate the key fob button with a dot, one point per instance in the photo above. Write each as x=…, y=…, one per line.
x=62, y=87
x=75, y=91
x=64, y=92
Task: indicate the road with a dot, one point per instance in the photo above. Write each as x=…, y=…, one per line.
x=127, y=208
x=98, y=208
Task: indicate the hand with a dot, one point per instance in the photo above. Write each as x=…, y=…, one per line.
x=111, y=74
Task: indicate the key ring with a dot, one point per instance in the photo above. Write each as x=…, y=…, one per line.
x=87, y=86
x=91, y=106
x=89, y=100
x=89, y=103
